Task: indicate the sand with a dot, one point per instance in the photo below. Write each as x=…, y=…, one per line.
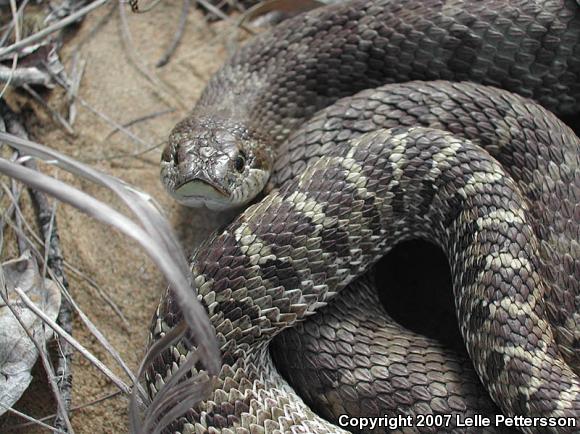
x=114, y=87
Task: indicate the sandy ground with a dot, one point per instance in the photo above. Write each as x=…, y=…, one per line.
x=114, y=87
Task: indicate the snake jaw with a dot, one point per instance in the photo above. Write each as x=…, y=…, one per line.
x=202, y=192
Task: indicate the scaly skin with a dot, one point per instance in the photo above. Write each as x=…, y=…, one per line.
x=280, y=79
x=250, y=304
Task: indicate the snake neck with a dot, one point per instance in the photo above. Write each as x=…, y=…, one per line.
x=246, y=102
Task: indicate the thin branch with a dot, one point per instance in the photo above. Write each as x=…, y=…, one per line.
x=33, y=420
x=41, y=348
x=130, y=49
x=39, y=36
x=75, y=408
x=56, y=116
x=138, y=120
x=24, y=75
x=17, y=216
x=178, y=35
x=211, y=8
x=54, y=260
x=17, y=37
x=77, y=72
x=81, y=349
x=10, y=26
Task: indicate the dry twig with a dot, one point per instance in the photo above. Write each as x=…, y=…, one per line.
x=39, y=36
x=57, y=329
x=54, y=260
x=23, y=75
x=75, y=408
x=142, y=69
x=17, y=37
x=78, y=69
x=56, y=116
x=138, y=120
x=211, y=8
x=178, y=35
x=35, y=421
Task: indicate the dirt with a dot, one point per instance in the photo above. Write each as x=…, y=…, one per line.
x=114, y=87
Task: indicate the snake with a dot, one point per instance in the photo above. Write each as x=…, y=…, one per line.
x=489, y=176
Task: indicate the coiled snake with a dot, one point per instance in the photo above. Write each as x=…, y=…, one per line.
x=489, y=176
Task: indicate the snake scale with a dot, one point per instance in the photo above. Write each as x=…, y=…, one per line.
x=490, y=177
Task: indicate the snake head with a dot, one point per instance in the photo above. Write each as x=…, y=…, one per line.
x=214, y=163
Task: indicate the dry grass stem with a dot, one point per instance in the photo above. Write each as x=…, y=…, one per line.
x=56, y=116
x=78, y=69
x=72, y=409
x=177, y=36
x=138, y=120
x=212, y=9
x=23, y=75
x=80, y=348
x=42, y=34
x=160, y=88
x=105, y=296
x=35, y=421
x=42, y=352
x=16, y=22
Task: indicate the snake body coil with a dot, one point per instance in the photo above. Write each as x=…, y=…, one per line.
x=388, y=164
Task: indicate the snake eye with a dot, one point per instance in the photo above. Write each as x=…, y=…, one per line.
x=240, y=162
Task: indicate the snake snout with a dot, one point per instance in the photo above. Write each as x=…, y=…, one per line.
x=201, y=180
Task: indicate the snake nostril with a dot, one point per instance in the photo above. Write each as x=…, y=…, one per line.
x=166, y=155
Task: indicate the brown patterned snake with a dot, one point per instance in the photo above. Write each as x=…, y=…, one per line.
x=388, y=164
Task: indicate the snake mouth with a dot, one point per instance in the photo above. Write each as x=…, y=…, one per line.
x=197, y=193
x=200, y=189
